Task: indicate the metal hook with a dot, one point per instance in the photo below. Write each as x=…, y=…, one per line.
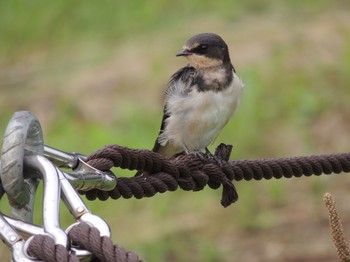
x=31, y=230
x=27, y=229
x=61, y=158
x=13, y=240
x=84, y=177
x=51, y=195
x=79, y=209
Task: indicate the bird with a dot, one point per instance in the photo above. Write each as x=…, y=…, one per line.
x=200, y=98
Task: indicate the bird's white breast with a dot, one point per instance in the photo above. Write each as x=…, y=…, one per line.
x=196, y=118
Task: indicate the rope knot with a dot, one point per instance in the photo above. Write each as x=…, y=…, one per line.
x=161, y=174
x=189, y=172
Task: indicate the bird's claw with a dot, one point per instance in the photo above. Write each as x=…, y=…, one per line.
x=200, y=155
x=208, y=156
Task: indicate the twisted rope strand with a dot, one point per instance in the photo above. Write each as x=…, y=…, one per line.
x=190, y=172
x=43, y=248
x=89, y=238
x=163, y=174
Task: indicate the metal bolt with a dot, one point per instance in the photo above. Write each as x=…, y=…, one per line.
x=13, y=238
x=80, y=209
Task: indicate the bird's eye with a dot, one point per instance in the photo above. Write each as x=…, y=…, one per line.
x=200, y=49
x=203, y=47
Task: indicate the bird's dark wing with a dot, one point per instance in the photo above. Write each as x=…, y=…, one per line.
x=157, y=146
x=185, y=74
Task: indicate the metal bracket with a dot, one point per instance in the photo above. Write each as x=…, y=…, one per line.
x=14, y=241
x=24, y=162
x=84, y=177
x=78, y=209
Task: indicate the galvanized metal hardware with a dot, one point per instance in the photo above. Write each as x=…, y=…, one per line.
x=25, y=161
x=83, y=177
x=14, y=241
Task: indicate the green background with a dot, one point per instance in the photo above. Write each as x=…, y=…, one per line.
x=94, y=73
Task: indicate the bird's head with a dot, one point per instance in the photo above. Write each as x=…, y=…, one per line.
x=205, y=50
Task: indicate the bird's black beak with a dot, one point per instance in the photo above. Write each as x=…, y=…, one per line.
x=184, y=52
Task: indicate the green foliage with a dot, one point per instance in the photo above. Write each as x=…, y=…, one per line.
x=27, y=26
x=182, y=247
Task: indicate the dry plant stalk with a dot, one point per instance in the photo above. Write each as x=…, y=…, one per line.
x=336, y=228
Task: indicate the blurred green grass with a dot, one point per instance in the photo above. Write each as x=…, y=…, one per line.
x=33, y=25
x=94, y=73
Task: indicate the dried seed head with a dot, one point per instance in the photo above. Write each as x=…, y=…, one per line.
x=336, y=229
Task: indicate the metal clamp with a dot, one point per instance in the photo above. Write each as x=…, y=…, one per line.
x=13, y=240
x=79, y=209
x=31, y=230
x=24, y=162
x=84, y=177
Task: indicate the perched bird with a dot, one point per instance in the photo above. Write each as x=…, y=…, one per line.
x=200, y=98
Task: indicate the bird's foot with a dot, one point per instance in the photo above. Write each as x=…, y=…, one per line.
x=210, y=156
x=200, y=155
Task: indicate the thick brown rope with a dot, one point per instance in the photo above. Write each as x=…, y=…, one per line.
x=43, y=248
x=89, y=238
x=86, y=237
x=190, y=172
x=163, y=174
